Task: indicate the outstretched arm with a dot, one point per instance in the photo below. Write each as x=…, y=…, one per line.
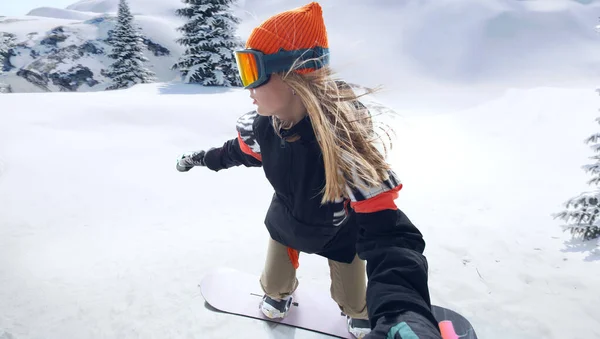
x=398, y=299
x=234, y=152
x=243, y=150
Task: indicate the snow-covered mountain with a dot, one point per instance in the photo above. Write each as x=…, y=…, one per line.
x=65, y=50
x=432, y=42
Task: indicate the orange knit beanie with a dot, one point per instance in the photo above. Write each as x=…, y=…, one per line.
x=299, y=28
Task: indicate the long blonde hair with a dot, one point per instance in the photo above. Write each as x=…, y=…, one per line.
x=344, y=130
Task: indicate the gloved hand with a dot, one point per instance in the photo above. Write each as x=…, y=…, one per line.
x=407, y=325
x=189, y=160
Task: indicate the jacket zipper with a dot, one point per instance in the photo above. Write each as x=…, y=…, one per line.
x=290, y=149
x=283, y=145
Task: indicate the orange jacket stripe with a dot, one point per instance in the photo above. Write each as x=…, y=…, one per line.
x=383, y=201
x=247, y=150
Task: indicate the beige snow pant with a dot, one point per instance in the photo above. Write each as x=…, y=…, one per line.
x=348, y=281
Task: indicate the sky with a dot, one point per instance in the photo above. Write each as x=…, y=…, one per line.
x=22, y=7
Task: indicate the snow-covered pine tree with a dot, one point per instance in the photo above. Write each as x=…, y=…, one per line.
x=582, y=213
x=128, y=68
x=3, y=50
x=210, y=40
x=6, y=43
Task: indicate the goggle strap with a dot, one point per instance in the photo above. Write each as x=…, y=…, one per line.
x=283, y=60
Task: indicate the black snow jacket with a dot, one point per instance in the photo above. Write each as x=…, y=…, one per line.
x=369, y=223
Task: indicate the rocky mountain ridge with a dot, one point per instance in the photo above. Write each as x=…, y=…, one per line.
x=71, y=56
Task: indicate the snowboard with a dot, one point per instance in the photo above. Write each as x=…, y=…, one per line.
x=232, y=291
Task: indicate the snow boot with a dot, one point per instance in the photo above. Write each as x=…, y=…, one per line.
x=275, y=308
x=358, y=327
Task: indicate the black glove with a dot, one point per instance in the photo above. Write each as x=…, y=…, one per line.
x=406, y=325
x=189, y=160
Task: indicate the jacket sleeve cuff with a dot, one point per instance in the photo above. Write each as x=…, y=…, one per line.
x=212, y=159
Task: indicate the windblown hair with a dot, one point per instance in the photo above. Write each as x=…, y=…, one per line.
x=344, y=130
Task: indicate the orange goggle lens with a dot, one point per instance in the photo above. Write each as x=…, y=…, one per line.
x=247, y=67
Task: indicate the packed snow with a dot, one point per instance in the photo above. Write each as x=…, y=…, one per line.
x=101, y=237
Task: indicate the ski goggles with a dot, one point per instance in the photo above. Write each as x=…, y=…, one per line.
x=255, y=67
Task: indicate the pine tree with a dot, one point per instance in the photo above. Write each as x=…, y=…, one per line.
x=6, y=44
x=3, y=49
x=210, y=40
x=582, y=213
x=128, y=68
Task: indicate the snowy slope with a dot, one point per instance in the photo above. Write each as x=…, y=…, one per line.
x=101, y=237
x=58, y=13
x=149, y=7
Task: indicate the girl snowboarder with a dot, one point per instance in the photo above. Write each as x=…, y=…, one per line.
x=334, y=192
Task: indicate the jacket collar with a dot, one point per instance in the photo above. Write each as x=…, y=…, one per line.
x=303, y=128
